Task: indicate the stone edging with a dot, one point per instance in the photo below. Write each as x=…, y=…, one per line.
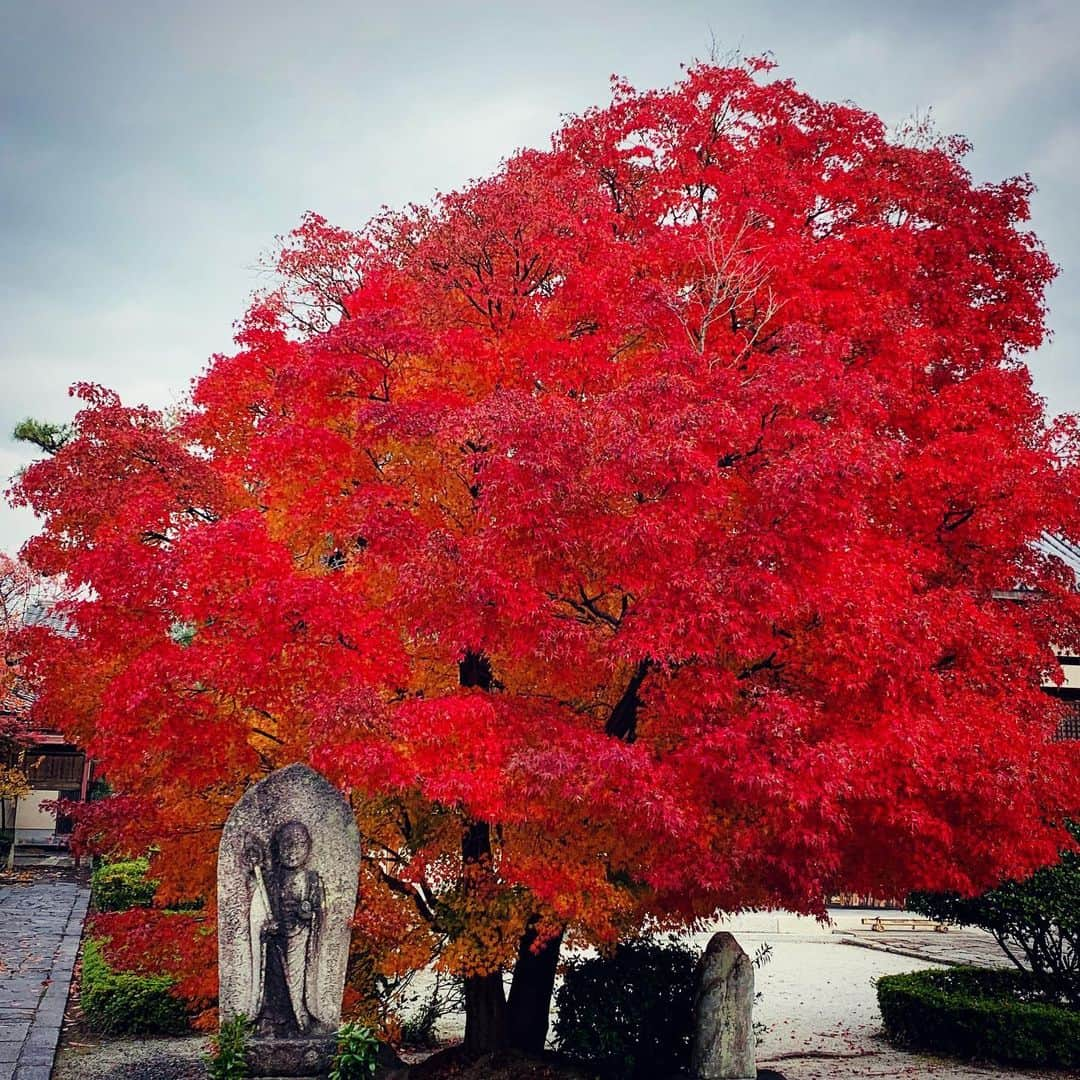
x=900, y=950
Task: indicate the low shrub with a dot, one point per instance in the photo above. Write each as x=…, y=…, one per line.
x=119, y=886
x=155, y=941
x=121, y=1002
x=629, y=1014
x=982, y=1014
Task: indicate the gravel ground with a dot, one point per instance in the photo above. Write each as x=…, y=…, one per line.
x=818, y=1005
x=132, y=1059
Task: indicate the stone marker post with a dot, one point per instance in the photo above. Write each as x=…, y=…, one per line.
x=723, y=1042
x=287, y=871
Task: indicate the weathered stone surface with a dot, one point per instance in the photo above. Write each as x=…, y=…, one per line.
x=292, y=1057
x=723, y=1046
x=287, y=872
x=313, y=1058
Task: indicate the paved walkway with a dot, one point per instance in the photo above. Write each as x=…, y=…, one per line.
x=963, y=945
x=40, y=926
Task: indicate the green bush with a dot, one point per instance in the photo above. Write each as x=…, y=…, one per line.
x=1036, y=921
x=121, y=1002
x=629, y=1014
x=979, y=1013
x=228, y=1050
x=119, y=886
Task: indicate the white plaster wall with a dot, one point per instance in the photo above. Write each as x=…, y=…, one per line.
x=1072, y=676
x=32, y=824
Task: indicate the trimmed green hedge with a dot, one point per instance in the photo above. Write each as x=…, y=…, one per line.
x=119, y=886
x=981, y=1014
x=121, y=1002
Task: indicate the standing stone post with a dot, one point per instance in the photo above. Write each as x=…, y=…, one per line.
x=287, y=871
x=723, y=1044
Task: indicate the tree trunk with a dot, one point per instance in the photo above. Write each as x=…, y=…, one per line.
x=531, y=990
x=485, y=1014
x=485, y=998
x=622, y=723
x=11, y=850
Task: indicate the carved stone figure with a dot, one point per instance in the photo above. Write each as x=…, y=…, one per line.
x=287, y=872
x=284, y=918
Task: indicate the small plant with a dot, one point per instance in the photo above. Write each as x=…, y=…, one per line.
x=443, y=997
x=228, y=1055
x=762, y=957
x=119, y=886
x=357, y=1053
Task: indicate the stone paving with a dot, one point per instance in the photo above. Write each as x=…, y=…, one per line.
x=956, y=946
x=41, y=919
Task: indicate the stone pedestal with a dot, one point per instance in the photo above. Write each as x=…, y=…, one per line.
x=723, y=1042
x=275, y=1059
x=291, y=1057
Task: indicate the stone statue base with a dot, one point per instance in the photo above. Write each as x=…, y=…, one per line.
x=311, y=1057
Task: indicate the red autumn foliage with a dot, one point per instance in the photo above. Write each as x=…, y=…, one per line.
x=623, y=531
x=149, y=941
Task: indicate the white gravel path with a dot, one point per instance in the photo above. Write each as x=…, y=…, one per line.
x=819, y=1006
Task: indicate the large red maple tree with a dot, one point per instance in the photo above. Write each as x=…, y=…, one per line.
x=626, y=532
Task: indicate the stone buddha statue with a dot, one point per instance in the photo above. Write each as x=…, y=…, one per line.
x=285, y=916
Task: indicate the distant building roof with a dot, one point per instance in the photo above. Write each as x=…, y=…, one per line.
x=1064, y=549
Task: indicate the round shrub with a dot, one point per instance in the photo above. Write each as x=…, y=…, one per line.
x=629, y=1013
x=121, y=1002
x=119, y=886
x=979, y=1013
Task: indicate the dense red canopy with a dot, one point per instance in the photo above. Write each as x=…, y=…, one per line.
x=701, y=439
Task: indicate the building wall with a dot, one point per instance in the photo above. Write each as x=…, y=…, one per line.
x=32, y=824
x=1069, y=692
x=1070, y=668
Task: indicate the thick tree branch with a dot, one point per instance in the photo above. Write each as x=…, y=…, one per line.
x=622, y=723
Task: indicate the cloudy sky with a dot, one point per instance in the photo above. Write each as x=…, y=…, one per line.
x=151, y=151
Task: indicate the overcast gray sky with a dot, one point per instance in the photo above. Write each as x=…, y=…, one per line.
x=150, y=151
